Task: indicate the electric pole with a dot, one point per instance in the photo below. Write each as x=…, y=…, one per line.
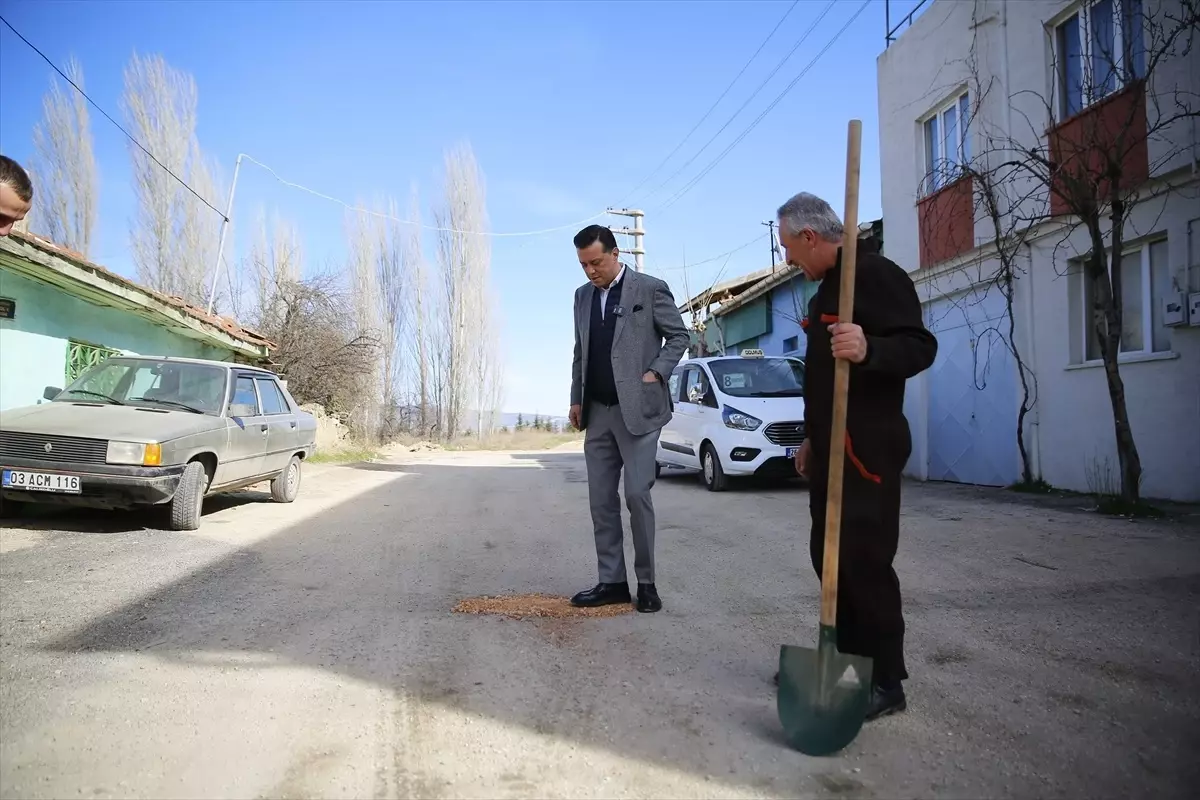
x=637, y=232
x=776, y=255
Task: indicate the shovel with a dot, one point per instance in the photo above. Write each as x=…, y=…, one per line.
x=823, y=694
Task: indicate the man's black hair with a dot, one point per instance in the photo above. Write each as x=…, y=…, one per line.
x=16, y=177
x=596, y=233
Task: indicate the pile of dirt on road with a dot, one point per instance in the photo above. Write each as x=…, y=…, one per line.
x=527, y=606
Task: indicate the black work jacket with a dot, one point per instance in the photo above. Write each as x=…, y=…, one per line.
x=899, y=346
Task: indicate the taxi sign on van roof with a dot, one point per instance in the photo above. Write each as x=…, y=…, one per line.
x=752, y=353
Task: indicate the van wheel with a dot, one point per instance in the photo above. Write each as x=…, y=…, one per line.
x=189, y=498
x=710, y=470
x=286, y=485
x=657, y=470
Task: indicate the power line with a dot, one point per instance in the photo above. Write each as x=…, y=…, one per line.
x=739, y=248
x=110, y=119
x=381, y=215
x=753, y=94
x=717, y=102
x=699, y=177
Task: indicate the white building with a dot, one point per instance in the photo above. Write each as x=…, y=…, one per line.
x=1024, y=74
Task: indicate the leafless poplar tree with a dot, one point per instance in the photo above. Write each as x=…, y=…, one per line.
x=174, y=235
x=419, y=311
x=65, y=166
x=362, y=232
x=467, y=361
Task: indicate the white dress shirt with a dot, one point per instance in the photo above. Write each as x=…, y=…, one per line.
x=604, y=291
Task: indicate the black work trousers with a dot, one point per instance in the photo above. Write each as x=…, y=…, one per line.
x=869, y=617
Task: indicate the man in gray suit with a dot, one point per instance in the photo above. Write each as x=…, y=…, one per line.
x=619, y=397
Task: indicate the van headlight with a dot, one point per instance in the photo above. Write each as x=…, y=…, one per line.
x=138, y=453
x=739, y=420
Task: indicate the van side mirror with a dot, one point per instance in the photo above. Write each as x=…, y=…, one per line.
x=51, y=392
x=695, y=395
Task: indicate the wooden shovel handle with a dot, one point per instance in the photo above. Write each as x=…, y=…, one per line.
x=841, y=383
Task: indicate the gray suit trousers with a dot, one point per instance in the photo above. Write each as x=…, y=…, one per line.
x=609, y=448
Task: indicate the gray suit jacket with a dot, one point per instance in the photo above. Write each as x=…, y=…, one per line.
x=649, y=315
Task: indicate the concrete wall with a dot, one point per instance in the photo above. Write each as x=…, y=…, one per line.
x=1070, y=431
x=33, y=346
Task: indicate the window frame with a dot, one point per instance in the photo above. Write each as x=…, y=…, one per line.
x=279, y=393
x=934, y=181
x=250, y=376
x=1141, y=251
x=1091, y=93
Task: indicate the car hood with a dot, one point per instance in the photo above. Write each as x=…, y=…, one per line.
x=96, y=421
x=768, y=409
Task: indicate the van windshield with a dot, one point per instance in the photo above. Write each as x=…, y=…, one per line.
x=759, y=377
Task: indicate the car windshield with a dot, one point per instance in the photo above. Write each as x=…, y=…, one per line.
x=149, y=383
x=759, y=377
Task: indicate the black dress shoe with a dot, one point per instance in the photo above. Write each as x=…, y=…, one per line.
x=602, y=594
x=885, y=701
x=648, y=601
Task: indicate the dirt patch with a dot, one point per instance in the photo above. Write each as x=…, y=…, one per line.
x=535, y=606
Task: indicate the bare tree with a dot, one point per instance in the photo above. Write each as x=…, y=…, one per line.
x=391, y=278
x=419, y=311
x=173, y=235
x=362, y=238
x=465, y=359
x=65, y=166
x=1117, y=127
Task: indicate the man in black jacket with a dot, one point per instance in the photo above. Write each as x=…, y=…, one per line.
x=887, y=343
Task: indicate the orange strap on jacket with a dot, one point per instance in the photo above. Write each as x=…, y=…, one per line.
x=858, y=465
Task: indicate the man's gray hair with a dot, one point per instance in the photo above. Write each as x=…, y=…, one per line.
x=809, y=211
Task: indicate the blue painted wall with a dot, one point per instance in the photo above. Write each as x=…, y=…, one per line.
x=33, y=346
x=789, y=303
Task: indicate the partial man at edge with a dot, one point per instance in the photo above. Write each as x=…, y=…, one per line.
x=629, y=337
x=16, y=194
x=886, y=344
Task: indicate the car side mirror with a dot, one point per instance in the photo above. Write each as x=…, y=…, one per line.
x=695, y=395
x=51, y=392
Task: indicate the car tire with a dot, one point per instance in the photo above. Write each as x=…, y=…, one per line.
x=189, y=498
x=711, y=473
x=286, y=485
x=657, y=470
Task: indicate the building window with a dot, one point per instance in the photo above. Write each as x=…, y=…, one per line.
x=947, y=145
x=81, y=357
x=1099, y=50
x=1144, y=278
x=791, y=343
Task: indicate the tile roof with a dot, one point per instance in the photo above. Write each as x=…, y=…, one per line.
x=230, y=326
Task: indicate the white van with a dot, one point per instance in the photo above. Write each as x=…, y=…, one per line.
x=735, y=415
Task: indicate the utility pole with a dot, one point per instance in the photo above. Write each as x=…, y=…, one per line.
x=637, y=232
x=776, y=255
x=212, y=294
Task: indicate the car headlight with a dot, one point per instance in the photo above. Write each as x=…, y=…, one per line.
x=739, y=420
x=146, y=455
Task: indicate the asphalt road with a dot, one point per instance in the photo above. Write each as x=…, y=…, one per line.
x=310, y=650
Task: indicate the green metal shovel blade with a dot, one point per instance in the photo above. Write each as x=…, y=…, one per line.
x=823, y=695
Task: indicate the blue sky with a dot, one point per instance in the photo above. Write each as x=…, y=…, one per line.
x=567, y=105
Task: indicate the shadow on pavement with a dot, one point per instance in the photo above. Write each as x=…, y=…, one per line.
x=365, y=589
x=46, y=517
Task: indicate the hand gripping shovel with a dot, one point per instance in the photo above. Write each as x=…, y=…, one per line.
x=824, y=694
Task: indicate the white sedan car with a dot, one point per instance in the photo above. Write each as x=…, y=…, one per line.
x=735, y=416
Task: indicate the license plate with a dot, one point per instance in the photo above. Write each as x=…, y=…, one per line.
x=791, y=452
x=40, y=481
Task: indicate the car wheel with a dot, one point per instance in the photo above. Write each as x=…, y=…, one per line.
x=657, y=470
x=286, y=485
x=189, y=498
x=710, y=470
